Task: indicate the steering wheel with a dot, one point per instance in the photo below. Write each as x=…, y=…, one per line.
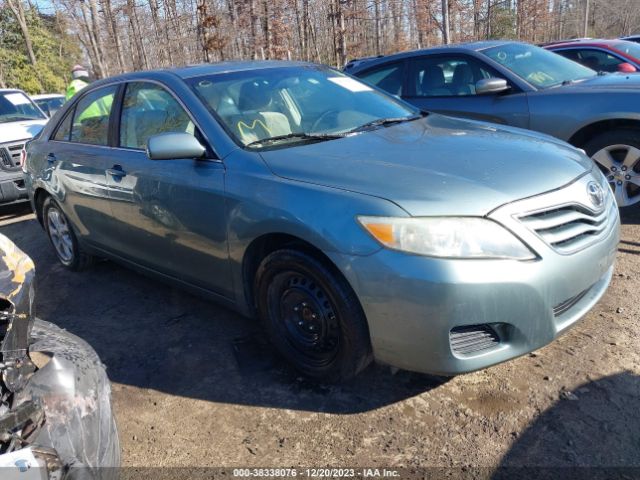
x=324, y=116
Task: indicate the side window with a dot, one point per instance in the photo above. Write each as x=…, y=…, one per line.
x=444, y=76
x=91, y=118
x=389, y=77
x=570, y=54
x=64, y=128
x=147, y=110
x=598, y=60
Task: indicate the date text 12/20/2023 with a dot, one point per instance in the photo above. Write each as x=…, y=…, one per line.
x=315, y=472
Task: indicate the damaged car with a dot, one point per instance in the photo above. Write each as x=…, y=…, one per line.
x=56, y=420
x=353, y=225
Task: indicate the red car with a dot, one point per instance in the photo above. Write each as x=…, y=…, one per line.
x=600, y=55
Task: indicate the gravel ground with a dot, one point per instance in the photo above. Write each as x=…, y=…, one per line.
x=193, y=385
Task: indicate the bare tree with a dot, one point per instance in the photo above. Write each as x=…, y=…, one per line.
x=122, y=35
x=445, y=22
x=17, y=9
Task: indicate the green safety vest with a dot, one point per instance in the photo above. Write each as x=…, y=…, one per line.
x=74, y=87
x=98, y=109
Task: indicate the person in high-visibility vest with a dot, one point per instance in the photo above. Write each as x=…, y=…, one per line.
x=80, y=79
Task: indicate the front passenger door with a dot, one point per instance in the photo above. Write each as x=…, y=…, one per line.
x=593, y=58
x=446, y=84
x=170, y=213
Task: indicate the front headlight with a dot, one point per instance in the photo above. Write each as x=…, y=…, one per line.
x=447, y=237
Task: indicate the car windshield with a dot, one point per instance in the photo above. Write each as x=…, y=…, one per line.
x=52, y=104
x=630, y=48
x=540, y=67
x=16, y=107
x=275, y=107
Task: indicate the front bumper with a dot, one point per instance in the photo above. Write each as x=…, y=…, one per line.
x=412, y=303
x=12, y=187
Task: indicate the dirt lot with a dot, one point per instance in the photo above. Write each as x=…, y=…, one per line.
x=192, y=386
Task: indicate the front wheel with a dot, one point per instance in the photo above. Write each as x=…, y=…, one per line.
x=617, y=153
x=62, y=238
x=312, y=316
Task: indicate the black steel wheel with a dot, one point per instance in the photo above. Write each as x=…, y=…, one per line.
x=312, y=316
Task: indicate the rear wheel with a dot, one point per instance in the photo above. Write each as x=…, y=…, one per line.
x=62, y=237
x=617, y=153
x=312, y=316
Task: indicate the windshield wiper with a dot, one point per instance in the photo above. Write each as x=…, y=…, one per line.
x=381, y=122
x=571, y=81
x=301, y=135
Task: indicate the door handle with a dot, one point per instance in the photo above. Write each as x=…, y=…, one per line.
x=116, y=172
x=51, y=158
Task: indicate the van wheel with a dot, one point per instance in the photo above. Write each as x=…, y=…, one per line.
x=617, y=153
x=312, y=316
x=62, y=238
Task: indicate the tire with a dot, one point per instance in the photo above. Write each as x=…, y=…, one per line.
x=62, y=237
x=617, y=153
x=312, y=316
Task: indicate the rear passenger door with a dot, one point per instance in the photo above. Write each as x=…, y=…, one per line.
x=447, y=84
x=170, y=213
x=390, y=77
x=76, y=158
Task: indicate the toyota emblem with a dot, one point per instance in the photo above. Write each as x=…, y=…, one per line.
x=596, y=194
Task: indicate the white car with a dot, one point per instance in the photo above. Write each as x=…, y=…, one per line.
x=49, y=103
x=20, y=120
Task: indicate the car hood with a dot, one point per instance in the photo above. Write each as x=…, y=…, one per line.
x=14, y=131
x=610, y=81
x=437, y=165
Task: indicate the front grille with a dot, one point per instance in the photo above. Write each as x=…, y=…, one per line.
x=569, y=228
x=6, y=158
x=473, y=339
x=10, y=155
x=565, y=306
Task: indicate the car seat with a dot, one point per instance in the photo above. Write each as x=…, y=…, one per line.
x=433, y=83
x=463, y=83
x=592, y=62
x=257, y=121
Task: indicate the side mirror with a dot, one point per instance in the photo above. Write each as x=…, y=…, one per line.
x=168, y=146
x=626, y=68
x=488, y=86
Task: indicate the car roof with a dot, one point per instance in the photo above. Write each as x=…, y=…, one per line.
x=233, y=66
x=10, y=90
x=46, y=96
x=191, y=71
x=586, y=42
x=453, y=47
